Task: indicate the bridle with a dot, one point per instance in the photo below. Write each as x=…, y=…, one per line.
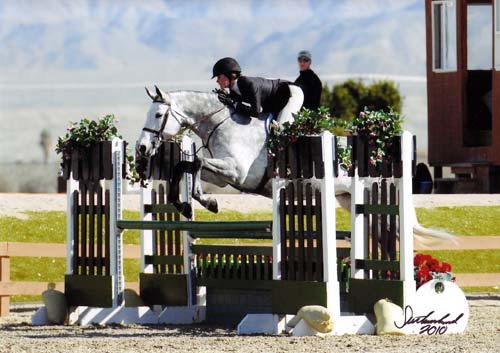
x=159, y=133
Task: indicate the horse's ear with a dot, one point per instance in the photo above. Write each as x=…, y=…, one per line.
x=163, y=96
x=150, y=94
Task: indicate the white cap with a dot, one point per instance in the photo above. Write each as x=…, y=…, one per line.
x=304, y=54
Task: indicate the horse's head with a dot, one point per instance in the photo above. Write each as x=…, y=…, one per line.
x=160, y=124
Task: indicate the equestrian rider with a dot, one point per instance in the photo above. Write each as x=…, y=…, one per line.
x=251, y=96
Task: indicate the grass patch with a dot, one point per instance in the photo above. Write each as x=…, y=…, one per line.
x=468, y=220
x=495, y=289
x=25, y=298
x=37, y=269
x=40, y=227
x=470, y=261
x=46, y=269
x=50, y=227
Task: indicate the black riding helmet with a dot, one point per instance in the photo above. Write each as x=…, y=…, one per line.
x=226, y=66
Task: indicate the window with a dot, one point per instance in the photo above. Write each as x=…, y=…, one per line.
x=497, y=34
x=479, y=37
x=444, y=35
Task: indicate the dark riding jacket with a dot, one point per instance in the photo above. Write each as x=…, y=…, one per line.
x=261, y=95
x=311, y=86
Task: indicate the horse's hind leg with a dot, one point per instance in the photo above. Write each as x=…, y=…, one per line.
x=208, y=202
x=222, y=170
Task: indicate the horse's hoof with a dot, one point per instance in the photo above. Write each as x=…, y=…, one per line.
x=187, y=210
x=212, y=205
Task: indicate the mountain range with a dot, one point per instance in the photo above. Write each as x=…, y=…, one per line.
x=62, y=60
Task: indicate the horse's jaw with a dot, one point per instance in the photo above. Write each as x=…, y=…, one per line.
x=144, y=145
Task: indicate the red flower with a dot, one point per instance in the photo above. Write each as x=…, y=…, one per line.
x=427, y=258
x=418, y=260
x=434, y=265
x=445, y=267
x=423, y=275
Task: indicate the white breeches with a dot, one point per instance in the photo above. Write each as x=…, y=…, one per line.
x=293, y=106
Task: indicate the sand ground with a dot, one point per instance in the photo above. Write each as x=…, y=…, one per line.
x=17, y=335
x=15, y=204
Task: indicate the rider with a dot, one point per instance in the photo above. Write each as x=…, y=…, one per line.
x=251, y=96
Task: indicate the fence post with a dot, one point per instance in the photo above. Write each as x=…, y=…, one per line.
x=406, y=208
x=278, y=184
x=357, y=225
x=4, y=278
x=147, y=241
x=71, y=186
x=187, y=154
x=116, y=241
x=329, y=227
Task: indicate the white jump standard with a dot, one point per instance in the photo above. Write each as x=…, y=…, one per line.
x=179, y=277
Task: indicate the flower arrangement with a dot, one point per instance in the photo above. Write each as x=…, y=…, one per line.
x=374, y=127
x=378, y=128
x=86, y=132
x=427, y=268
x=306, y=123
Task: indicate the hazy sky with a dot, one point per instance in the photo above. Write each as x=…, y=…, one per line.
x=64, y=60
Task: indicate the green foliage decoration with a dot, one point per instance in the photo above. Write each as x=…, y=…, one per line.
x=86, y=132
x=378, y=128
x=373, y=127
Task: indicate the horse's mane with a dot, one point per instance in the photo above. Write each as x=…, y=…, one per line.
x=211, y=98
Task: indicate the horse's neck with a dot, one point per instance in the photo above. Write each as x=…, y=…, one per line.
x=203, y=109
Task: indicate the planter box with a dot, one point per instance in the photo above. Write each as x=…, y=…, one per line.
x=90, y=163
x=164, y=289
x=94, y=291
x=161, y=165
x=303, y=159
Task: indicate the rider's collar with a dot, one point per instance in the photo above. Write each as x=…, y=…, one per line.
x=235, y=87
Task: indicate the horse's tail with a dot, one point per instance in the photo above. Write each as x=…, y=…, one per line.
x=428, y=237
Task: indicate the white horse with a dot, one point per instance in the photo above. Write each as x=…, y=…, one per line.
x=236, y=146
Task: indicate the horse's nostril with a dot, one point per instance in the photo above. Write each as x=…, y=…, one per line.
x=142, y=149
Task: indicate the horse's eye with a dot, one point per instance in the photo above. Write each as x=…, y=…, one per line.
x=158, y=115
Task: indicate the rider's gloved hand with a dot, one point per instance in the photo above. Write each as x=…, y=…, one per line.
x=224, y=98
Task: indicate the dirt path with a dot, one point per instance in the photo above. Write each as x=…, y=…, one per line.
x=17, y=335
x=15, y=203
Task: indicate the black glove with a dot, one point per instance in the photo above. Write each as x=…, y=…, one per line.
x=224, y=97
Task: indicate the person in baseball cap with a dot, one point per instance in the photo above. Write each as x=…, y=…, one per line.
x=308, y=80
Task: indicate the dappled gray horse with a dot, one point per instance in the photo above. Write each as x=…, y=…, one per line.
x=236, y=146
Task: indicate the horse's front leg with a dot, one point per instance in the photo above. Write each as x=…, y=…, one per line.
x=173, y=193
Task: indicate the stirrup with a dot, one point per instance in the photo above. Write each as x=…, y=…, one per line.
x=268, y=122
